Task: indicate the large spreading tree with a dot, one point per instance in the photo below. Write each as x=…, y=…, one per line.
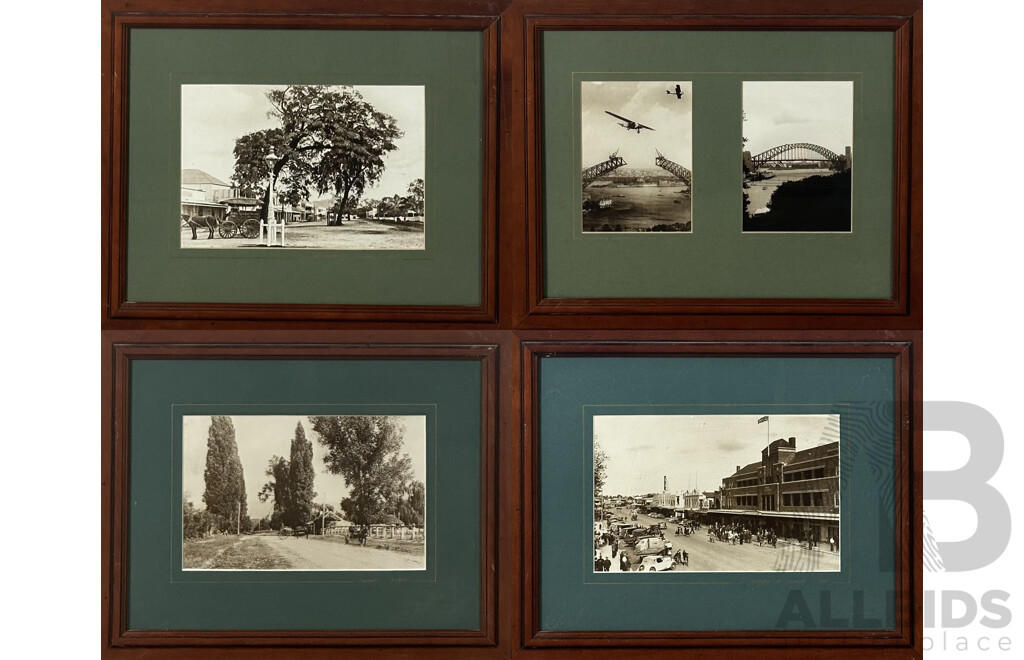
x=366, y=451
x=330, y=140
x=225, y=482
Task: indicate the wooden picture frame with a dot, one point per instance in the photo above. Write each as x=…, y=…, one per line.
x=120, y=386
x=125, y=298
x=725, y=639
x=900, y=306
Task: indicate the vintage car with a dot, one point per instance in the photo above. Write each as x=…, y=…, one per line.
x=656, y=563
x=650, y=545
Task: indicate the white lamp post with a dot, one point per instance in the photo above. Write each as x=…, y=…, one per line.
x=271, y=226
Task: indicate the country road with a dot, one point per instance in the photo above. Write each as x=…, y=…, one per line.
x=306, y=553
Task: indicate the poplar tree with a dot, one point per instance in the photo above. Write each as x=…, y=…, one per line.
x=300, y=479
x=225, y=482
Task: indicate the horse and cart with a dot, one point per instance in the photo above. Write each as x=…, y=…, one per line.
x=242, y=219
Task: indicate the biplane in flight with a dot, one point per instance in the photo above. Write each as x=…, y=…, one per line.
x=679, y=92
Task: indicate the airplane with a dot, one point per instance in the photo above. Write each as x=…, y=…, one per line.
x=630, y=125
x=678, y=92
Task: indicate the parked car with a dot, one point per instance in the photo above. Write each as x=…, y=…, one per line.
x=635, y=534
x=650, y=545
x=656, y=563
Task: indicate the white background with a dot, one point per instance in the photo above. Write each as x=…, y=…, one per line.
x=51, y=226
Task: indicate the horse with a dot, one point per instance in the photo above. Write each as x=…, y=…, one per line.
x=206, y=221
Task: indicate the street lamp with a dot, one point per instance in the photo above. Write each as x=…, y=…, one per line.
x=271, y=226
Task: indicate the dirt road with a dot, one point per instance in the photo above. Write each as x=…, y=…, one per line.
x=354, y=234
x=306, y=553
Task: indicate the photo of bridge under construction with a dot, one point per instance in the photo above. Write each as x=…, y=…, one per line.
x=797, y=156
x=637, y=154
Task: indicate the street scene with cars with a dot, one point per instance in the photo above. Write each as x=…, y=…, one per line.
x=779, y=513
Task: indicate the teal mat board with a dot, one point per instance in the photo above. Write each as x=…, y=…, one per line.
x=861, y=595
x=449, y=64
x=717, y=260
x=447, y=595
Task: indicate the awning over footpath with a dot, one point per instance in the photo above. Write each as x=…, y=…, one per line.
x=791, y=515
x=191, y=202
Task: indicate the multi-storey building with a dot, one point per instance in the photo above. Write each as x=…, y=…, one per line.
x=795, y=493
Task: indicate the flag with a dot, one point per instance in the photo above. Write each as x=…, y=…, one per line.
x=763, y=419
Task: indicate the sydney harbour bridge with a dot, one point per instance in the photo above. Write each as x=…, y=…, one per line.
x=615, y=161
x=798, y=152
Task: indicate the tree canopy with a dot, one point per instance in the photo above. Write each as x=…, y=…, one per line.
x=366, y=452
x=277, y=490
x=291, y=483
x=300, y=479
x=225, y=482
x=600, y=469
x=330, y=140
x=412, y=506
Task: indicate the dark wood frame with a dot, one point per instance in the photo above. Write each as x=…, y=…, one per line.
x=121, y=16
x=903, y=18
x=903, y=642
x=120, y=641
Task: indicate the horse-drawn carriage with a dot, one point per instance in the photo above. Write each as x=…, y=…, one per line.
x=242, y=219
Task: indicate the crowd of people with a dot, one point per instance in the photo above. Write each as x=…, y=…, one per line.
x=736, y=533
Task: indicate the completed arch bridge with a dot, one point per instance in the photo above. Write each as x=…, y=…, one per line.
x=798, y=152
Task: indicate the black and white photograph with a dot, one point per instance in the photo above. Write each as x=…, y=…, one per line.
x=290, y=492
x=716, y=493
x=797, y=156
x=303, y=166
x=637, y=155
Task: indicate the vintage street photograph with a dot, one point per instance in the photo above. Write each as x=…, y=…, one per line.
x=713, y=493
x=637, y=155
x=293, y=492
x=303, y=166
x=797, y=156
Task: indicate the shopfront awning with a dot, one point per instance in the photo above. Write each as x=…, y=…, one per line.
x=785, y=515
x=208, y=205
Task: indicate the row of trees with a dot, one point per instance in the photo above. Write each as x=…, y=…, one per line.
x=330, y=140
x=364, y=450
x=395, y=206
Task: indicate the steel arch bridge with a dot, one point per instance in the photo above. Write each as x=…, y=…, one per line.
x=591, y=174
x=676, y=169
x=798, y=151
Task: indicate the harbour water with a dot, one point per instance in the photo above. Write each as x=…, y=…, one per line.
x=636, y=208
x=761, y=191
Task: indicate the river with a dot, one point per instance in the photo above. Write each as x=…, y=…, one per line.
x=637, y=208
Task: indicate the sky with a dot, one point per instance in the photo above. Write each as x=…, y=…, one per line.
x=644, y=102
x=259, y=437
x=695, y=451
x=782, y=112
x=213, y=116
